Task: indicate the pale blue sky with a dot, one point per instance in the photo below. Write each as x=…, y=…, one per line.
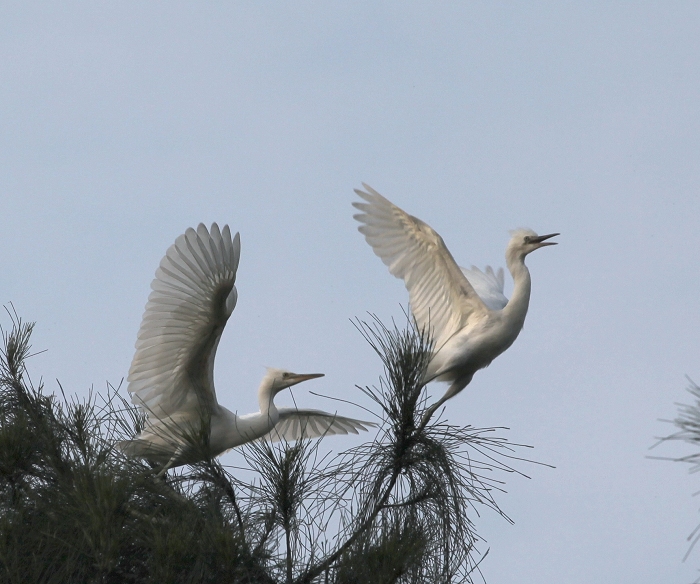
x=121, y=124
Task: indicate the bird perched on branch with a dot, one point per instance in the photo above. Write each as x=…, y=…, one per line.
x=172, y=373
x=465, y=312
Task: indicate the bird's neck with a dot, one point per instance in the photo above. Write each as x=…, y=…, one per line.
x=265, y=399
x=516, y=309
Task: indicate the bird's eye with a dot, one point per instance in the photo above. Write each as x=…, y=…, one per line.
x=285, y=375
x=527, y=239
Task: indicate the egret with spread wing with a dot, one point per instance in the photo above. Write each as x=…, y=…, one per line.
x=172, y=373
x=466, y=313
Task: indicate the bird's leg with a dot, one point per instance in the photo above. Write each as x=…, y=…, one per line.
x=430, y=411
x=171, y=462
x=457, y=386
x=165, y=468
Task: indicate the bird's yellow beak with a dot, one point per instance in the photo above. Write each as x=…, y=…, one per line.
x=294, y=379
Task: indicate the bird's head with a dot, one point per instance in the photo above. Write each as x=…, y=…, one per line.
x=524, y=241
x=280, y=379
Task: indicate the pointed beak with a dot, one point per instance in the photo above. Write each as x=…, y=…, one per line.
x=294, y=379
x=542, y=239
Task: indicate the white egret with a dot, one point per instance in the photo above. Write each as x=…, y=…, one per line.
x=469, y=318
x=172, y=373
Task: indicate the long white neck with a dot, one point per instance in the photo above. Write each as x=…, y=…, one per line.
x=230, y=430
x=516, y=309
x=266, y=397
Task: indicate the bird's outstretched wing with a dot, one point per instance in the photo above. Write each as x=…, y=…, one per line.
x=488, y=285
x=295, y=424
x=193, y=295
x=441, y=297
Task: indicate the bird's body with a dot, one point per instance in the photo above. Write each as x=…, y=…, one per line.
x=469, y=319
x=172, y=372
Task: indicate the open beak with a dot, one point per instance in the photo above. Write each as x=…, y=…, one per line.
x=542, y=239
x=294, y=379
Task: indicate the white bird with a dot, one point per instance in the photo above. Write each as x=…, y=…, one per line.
x=469, y=319
x=172, y=373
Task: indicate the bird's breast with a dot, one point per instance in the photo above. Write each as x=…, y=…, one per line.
x=472, y=348
x=229, y=430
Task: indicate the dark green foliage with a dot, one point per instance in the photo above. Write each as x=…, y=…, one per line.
x=688, y=424
x=417, y=482
x=395, y=551
x=74, y=510
x=394, y=510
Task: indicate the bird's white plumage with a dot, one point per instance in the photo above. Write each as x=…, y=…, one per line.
x=172, y=372
x=193, y=295
x=488, y=285
x=442, y=298
x=295, y=424
x=468, y=316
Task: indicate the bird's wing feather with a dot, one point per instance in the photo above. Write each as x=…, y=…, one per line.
x=193, y=295
x=441, y=297
x=488, y=285
x=295, y=424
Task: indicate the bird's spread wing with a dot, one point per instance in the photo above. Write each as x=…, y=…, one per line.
x=441, y=297
x=488, y=285
x=295, y=424
x=193, y=295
